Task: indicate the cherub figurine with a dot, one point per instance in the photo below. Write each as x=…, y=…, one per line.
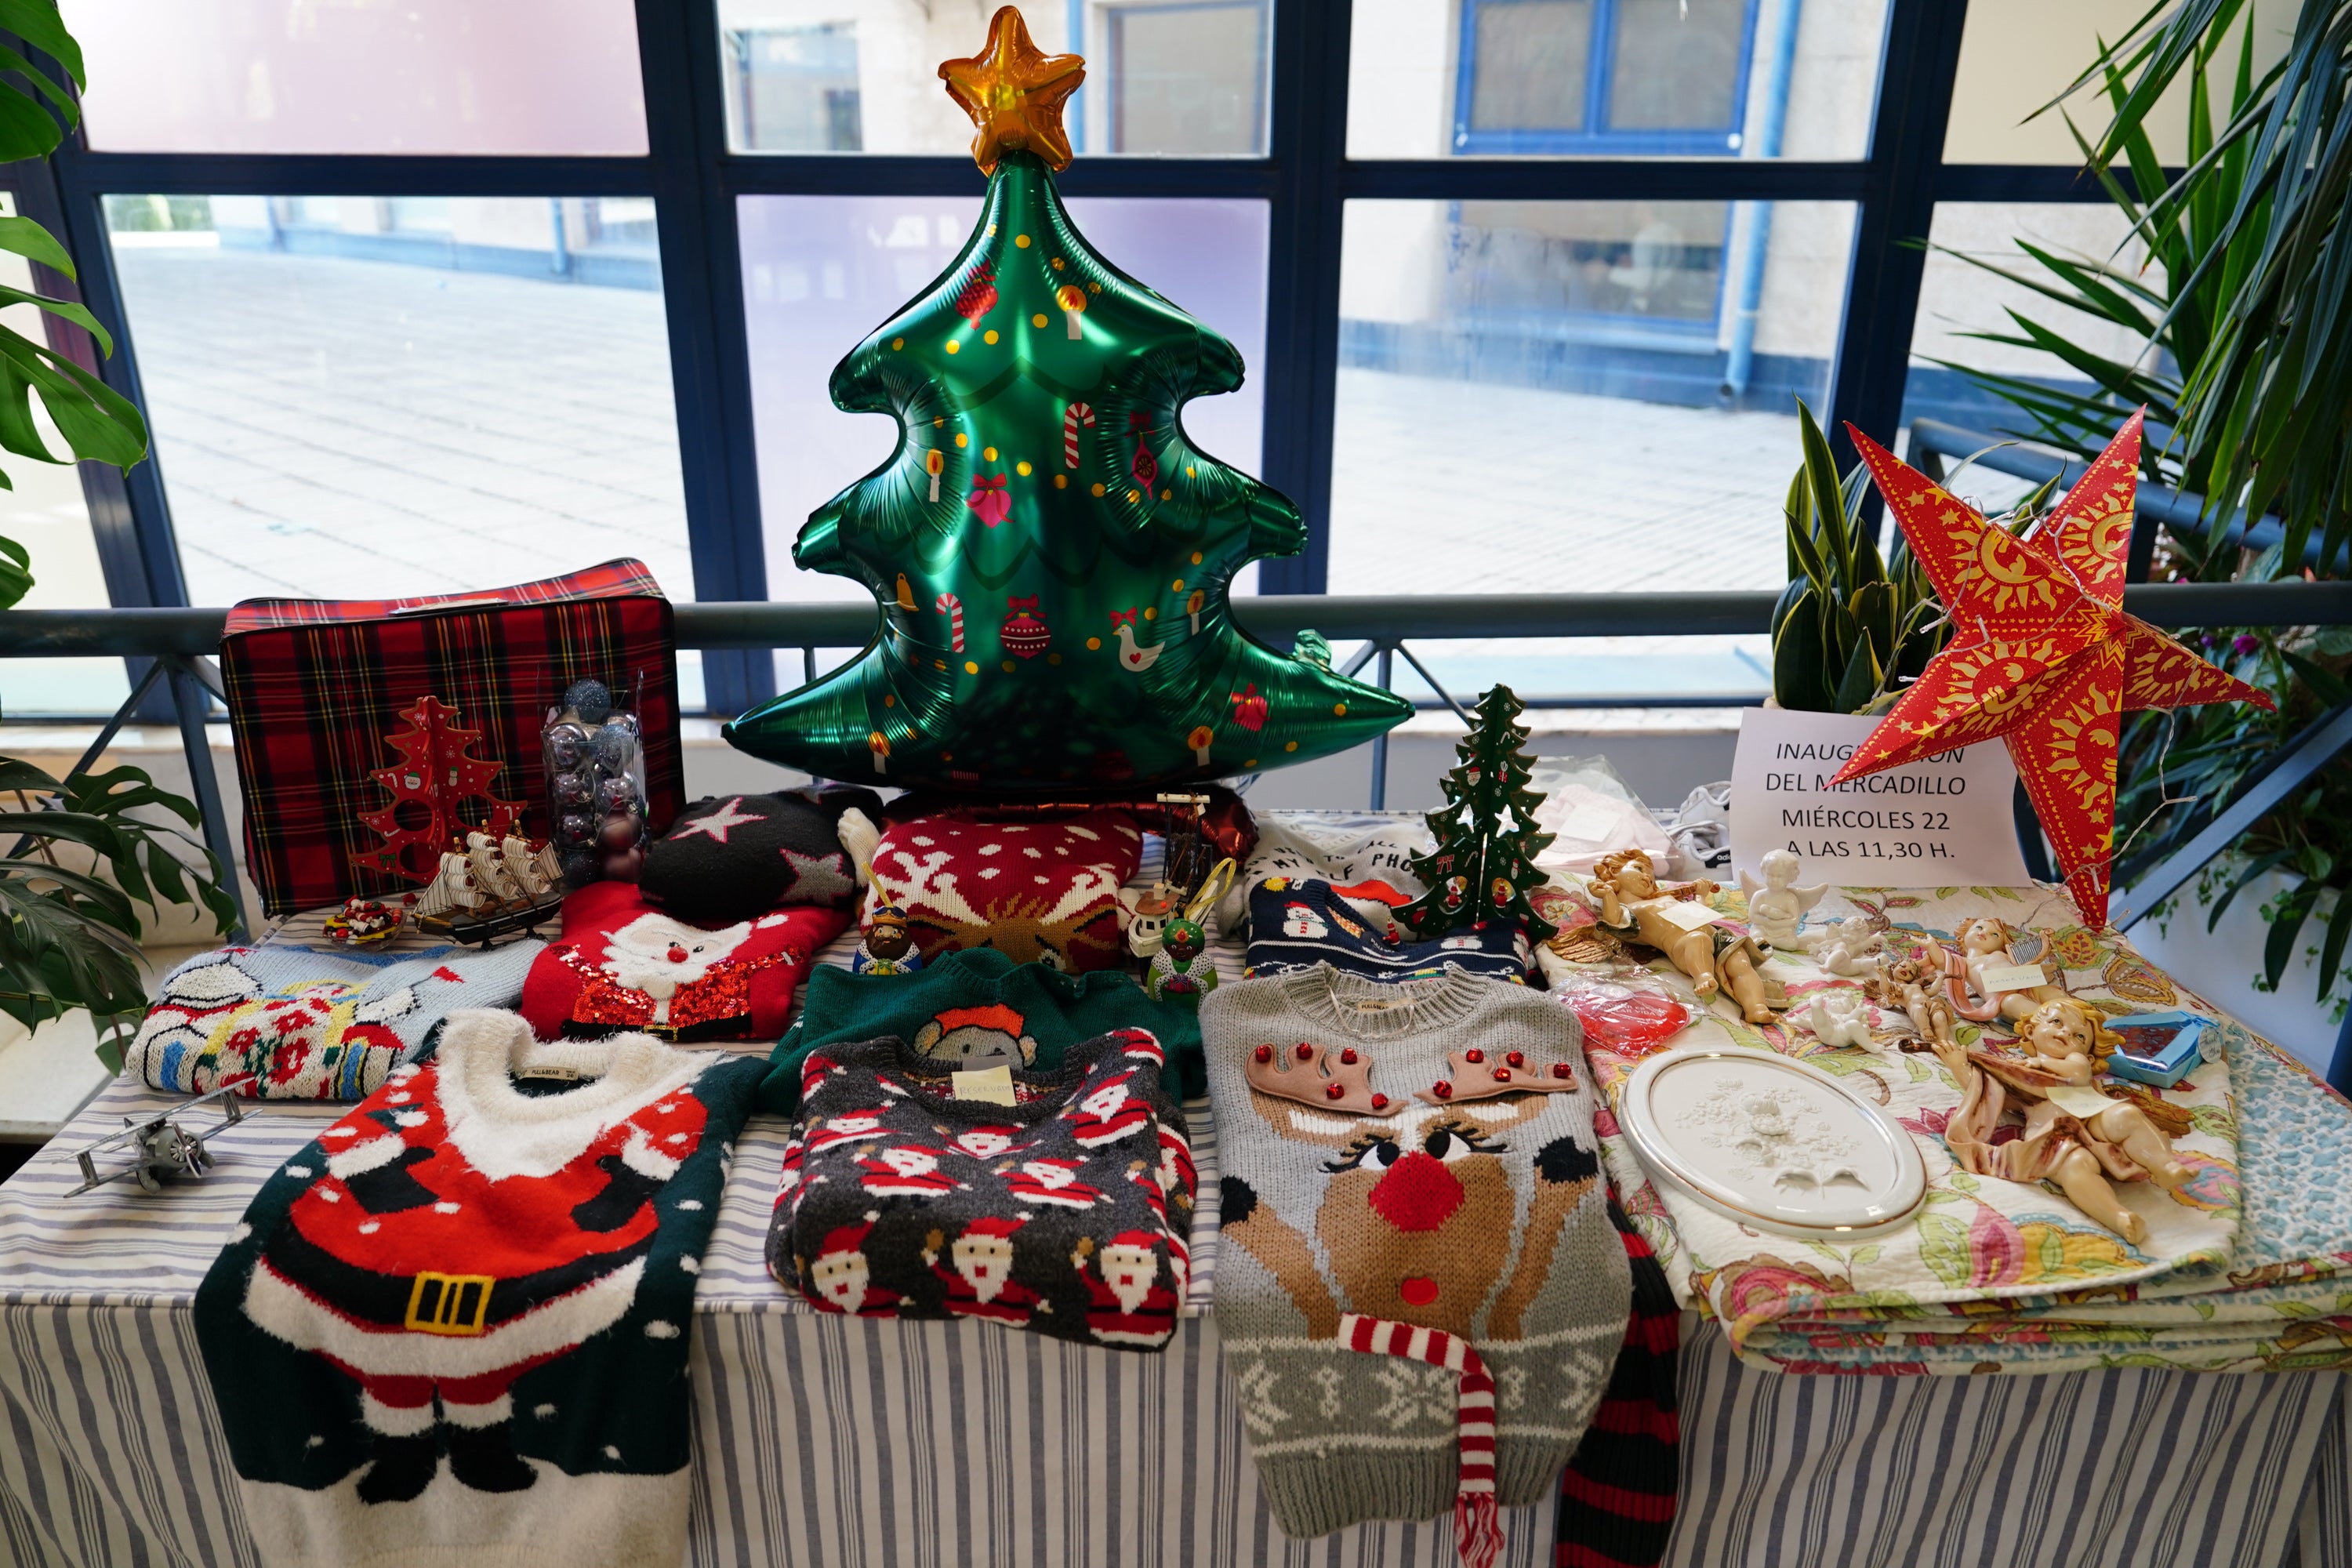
x=1984, y=945
x=1909, y=983
x=1179, y=968
x=2073, y=1134
x=1718, y=956
x=1840, y=1015
x=1777, y=906
x=886, y=947
x=1843, y=948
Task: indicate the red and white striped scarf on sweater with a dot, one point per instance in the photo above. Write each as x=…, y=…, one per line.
x=1477, y=1525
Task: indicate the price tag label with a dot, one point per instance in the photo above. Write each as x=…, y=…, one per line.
x=993, y=1085
x=1944, y=822
x=1688, y=914
x=2015, y=977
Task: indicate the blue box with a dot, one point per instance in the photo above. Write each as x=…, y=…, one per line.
x=2158, y=1049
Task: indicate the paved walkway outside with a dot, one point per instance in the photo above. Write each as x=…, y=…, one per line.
x=331, y=427
x=335, y=429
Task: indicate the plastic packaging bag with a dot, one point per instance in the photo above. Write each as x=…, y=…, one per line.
x=1591, y=811
x=1630, y=1020
x=595, y=761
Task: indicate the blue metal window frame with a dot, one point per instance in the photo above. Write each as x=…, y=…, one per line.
x=1599, y=86
x=1306, y=178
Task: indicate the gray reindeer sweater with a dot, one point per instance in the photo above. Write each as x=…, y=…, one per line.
x=1418, y=1288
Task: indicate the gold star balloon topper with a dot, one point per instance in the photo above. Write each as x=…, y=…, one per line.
x=1014, y=92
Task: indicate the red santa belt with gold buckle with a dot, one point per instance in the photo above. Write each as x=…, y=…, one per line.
x=434, y=1302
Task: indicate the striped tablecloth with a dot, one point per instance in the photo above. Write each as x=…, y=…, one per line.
x=872, y=1445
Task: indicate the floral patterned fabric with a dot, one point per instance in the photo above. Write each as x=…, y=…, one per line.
x=2252, y=1271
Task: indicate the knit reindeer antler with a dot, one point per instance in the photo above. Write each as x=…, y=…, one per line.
x=1475, y=1074
x=1317, y=1076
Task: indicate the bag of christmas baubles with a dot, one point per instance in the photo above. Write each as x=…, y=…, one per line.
x=595, y=760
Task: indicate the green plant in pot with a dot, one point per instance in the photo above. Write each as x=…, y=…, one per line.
x=82, y=853
x=1852, y=628
x=2248, y=382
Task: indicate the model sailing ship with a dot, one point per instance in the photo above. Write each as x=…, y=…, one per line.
x=490, y=887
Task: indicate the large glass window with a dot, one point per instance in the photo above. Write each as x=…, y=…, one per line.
x=419, y=76
x=2016, y=56
x=819, y=272
x=1963, y=309
x=353, y=397
x=1745, y=79
x=1533, y=396
x=1178, y=80
x=44, y=511
x=1962, y=306
x=1187, y=78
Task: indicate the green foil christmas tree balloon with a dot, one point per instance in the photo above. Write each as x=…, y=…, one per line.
x=1050, y=552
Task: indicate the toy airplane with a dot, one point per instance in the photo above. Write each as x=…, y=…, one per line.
x=159, y=1146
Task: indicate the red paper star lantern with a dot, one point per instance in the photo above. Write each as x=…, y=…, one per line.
x=2042, y=654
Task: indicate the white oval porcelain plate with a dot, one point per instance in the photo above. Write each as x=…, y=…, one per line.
x=1772, y=1143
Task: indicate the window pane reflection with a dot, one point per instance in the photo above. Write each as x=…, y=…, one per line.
x=1184, y=79
x=422, y=76
x=1691, y=79
x=1568, y=397
x=352, y=397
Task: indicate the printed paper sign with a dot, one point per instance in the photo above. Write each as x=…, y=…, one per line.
x=1945, y=822
x=2014, y=977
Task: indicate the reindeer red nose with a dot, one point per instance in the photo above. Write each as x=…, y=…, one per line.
x=1418, y=1193
x=677, y=953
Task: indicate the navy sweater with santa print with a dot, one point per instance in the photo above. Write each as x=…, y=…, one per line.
x=1067, y=1212
x=453, y=1329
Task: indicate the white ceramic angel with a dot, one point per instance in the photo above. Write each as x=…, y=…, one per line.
x=1840, y=1015
x=1847, y=946
x=1777, y=906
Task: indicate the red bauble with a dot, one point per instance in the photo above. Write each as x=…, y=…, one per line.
x=977, y=298
x=1249, y=708
x=1025, y=633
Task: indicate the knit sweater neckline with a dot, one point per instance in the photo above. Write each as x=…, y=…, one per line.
x=1379, y=1010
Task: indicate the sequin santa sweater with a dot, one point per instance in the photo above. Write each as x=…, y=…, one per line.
x=452, y=1330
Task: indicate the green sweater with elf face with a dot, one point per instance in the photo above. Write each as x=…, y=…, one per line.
x=979, y=1007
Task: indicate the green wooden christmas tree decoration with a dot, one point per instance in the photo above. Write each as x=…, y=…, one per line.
x=1487, y=840
x=1050, y=550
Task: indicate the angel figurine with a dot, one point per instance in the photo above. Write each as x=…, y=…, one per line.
x=1840, y=1015
x=1777, y=906
x=2073, y=1134
x=1984, y=945
x=1717, y=953
x=1846, y=946
x=1909, y=983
